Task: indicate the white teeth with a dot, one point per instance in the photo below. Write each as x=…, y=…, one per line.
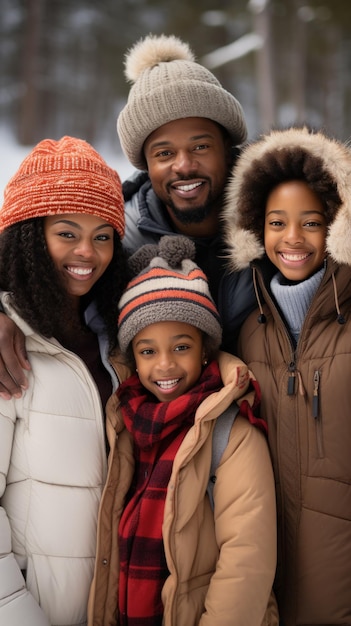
x=294, y=257
x=81, y=271
x=189, y=187
x=167, y=384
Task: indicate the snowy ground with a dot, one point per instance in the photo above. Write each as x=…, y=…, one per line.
x=11, y=156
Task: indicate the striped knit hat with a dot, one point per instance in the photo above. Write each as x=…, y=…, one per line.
x=168, y=287
x=65, y=176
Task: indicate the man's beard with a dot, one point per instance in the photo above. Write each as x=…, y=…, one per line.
x=197, y=214
x=191, y=216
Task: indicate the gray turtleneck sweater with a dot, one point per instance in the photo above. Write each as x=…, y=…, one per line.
x=294, y=299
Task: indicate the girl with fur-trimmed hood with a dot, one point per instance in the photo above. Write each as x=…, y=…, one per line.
x=288, y=216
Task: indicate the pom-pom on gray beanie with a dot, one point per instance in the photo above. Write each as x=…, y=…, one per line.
x=169, y=286
x=170, y=85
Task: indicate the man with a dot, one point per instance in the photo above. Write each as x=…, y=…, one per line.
x=180, y=128
x=179, y=125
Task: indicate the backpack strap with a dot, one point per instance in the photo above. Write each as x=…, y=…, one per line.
x=220, y=438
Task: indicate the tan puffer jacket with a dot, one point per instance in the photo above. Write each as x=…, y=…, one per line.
x=221, y=563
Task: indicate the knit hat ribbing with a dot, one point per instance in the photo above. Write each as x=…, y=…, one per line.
x=169, y=287
x=65, y=176
x=170, y=85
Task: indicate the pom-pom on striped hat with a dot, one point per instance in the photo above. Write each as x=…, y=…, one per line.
x=168, y=287
x=65, y=176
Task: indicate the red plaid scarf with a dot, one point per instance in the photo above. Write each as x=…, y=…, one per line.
x=158, y=429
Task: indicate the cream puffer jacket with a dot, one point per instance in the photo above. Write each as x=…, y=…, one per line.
x=53, y=465
x=221, y=562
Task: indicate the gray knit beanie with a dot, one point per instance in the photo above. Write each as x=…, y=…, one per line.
x=169, y=286
x=170, y=85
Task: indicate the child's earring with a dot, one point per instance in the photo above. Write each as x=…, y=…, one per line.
x=204, y=358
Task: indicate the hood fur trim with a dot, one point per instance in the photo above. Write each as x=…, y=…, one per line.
x=243, y=245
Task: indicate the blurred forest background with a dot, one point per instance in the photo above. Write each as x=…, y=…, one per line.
x=287, y=61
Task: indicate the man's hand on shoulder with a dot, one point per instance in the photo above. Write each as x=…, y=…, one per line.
x=13, y=359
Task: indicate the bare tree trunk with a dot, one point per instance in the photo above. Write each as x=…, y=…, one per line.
x=334, y=113
x=265, y=72
x=299, y=64
x=28, y=113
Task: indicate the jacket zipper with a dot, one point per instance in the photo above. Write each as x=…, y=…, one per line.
x=315, y=413
x=315, y=402
x=291, y=378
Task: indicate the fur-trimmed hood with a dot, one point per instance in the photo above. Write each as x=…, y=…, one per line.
x=276, y=157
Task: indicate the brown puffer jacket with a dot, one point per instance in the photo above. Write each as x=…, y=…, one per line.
x=309, y=421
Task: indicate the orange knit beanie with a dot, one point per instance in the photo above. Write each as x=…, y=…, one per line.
x=65, y=176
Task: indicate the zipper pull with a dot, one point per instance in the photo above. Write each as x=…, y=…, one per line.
x=291, y=379
x=300, y=387
x=315, y=401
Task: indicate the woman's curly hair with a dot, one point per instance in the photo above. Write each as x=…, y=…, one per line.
x=37, y=290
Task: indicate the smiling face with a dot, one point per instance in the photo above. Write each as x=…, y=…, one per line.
x=295, y=230
x=81, y=247
x=188, y=162
x=169, y=357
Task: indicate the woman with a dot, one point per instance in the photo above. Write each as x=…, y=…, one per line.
x=62, y=271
